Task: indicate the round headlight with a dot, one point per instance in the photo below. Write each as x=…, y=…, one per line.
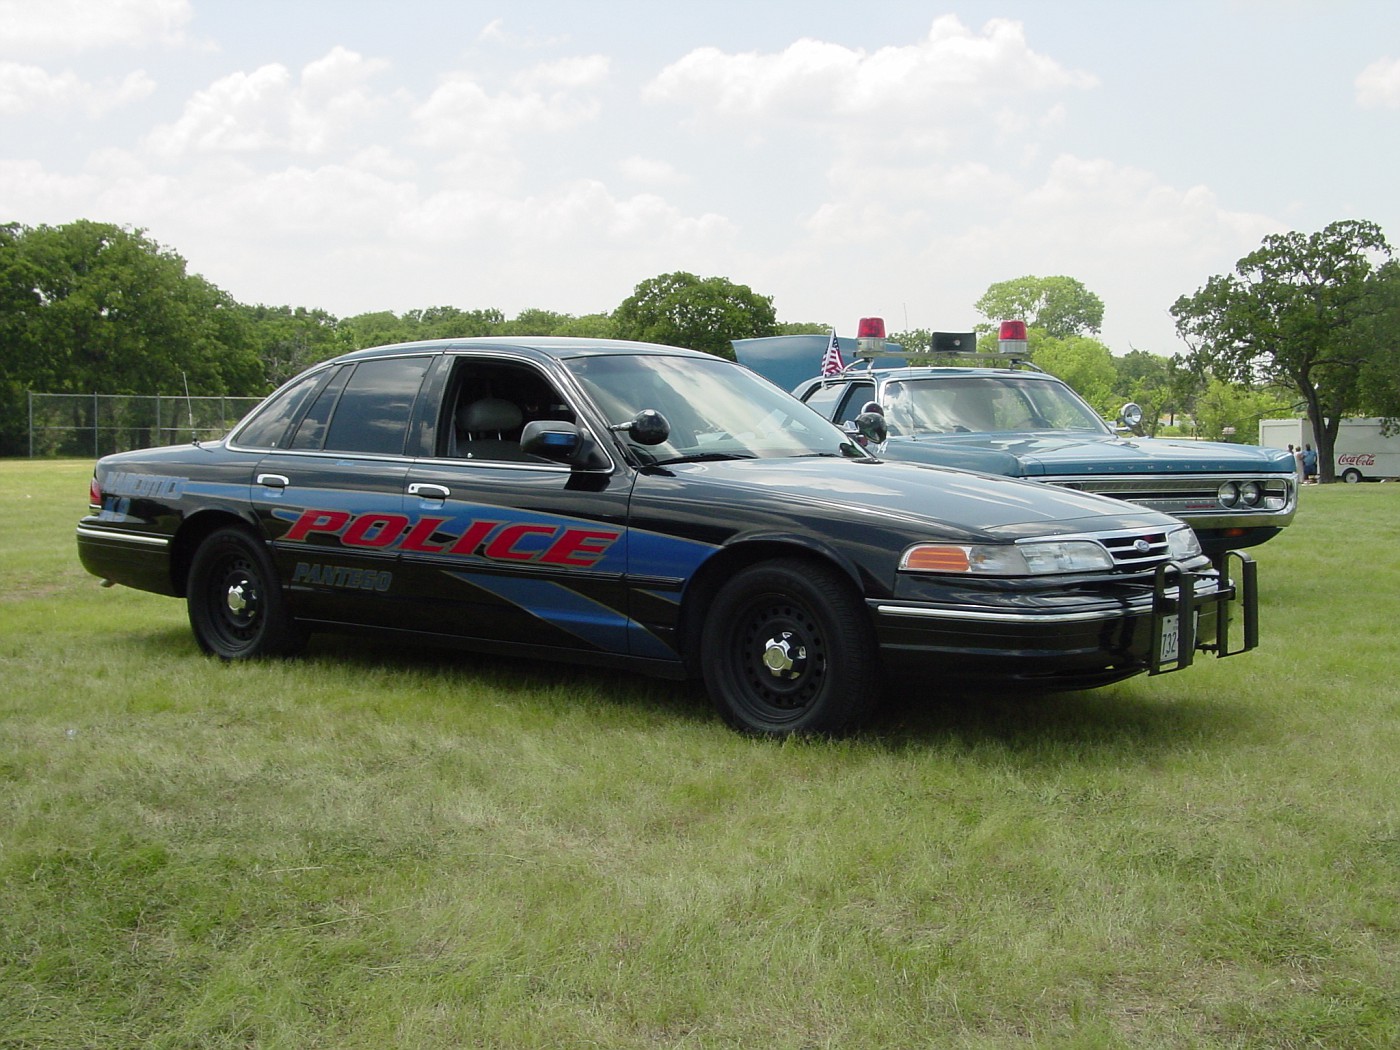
x=1251, y=493
x=1229, y=494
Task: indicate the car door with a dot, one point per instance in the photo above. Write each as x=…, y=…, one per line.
x=506, y=547
x=331, y=499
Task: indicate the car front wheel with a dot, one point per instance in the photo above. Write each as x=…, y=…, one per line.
x=788, y=649
x=235, y=603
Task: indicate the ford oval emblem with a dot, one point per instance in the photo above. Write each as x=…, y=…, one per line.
x=1141, y=546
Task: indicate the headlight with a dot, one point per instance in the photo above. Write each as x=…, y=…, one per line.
x=1021, y=559
x=1250, y=493
x=1229, y=494
x=1183, y=545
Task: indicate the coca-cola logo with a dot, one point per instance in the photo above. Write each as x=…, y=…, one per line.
x=1357, y=459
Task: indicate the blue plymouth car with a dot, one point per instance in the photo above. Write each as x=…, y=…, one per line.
x=1021, y=422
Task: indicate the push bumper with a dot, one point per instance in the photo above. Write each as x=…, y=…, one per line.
x=1157, y=630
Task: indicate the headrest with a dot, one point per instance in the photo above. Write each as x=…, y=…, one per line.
x=490, y=413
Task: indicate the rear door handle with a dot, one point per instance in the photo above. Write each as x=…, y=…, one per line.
x=274, y=481
x=426, y=490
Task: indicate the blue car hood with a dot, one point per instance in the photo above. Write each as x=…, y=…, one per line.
x=1059, y=454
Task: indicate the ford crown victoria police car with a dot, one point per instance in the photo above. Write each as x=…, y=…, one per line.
x=648, y=507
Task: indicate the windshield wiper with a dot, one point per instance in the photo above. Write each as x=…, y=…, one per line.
x=703, y=457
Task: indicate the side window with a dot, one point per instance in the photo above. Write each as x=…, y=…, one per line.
x=856, y=399
x=269, y=425
x=823, y=398
x=373, y=410
x=311, y=431
x=491, y=401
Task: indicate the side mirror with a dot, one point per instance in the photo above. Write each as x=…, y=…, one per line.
x=647, y=427
x=562, y=442
x=871, y=425
x=1130, y=415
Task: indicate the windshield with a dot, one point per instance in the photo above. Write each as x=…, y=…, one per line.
x=716, y=409
x=985, y=404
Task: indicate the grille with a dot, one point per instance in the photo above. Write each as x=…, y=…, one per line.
x=1194, y=494
x=1136, y=550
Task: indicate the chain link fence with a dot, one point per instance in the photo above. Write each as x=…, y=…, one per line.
x=99, y=424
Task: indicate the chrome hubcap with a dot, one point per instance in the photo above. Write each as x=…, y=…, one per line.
x=782, y=658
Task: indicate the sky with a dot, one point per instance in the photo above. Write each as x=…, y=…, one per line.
x=885, y=158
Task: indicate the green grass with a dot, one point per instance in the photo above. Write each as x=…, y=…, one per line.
x=369, y=847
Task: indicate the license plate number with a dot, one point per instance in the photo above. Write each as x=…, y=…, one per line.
x=1169, y=644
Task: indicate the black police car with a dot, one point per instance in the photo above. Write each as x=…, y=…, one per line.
x=649, y=507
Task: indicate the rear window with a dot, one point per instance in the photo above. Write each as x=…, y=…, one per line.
x=269, y=424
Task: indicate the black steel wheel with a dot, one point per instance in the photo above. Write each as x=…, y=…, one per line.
x=236, y=606
x=788, y=648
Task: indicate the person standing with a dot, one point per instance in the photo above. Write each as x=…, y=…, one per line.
x=1309, y=465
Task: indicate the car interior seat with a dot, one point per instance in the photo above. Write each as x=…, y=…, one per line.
x=489, y=428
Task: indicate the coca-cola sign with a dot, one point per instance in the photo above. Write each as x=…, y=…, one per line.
x=1357, y=459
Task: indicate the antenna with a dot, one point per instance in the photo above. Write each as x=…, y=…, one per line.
x=189, y=407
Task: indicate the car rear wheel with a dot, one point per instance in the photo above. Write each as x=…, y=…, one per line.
x=788, y=649
x=236, y=606
x=1351, y=477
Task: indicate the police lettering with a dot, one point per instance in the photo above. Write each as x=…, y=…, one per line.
x=568, y=546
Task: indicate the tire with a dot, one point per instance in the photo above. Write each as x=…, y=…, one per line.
x=788, y=648
x=236, y=607
x=1351, y=477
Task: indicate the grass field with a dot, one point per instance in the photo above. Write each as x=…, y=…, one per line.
x=369, y=847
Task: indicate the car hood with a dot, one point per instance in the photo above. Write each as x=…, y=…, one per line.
x=1058, y=454
x=905, y=498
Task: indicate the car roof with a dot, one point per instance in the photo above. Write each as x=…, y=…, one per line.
x=559, y=347
x=942, y=372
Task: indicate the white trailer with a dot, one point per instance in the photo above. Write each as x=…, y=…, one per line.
x=1363, y=452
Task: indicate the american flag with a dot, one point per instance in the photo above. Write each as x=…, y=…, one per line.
x=831, y=360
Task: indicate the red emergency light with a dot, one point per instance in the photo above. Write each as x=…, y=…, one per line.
x=870, y=337
x=1012, y=338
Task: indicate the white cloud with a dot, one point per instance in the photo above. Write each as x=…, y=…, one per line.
x=28, y=89
x=650, y=171
x=583, y=213
x=64, y=26
x=1378, y=85
x=461, y=115
x=268, y=110
x=951, y=70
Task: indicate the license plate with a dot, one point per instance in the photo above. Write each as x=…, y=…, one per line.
x=1169, y=643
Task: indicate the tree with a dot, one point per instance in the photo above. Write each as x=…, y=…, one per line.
x=914, y=340
x=1086, y=365
x=1229, y=412
x=548, y=322
x=95, y=308
x=1378, y=383
x=1300, y=311
x=1059, y=306
x=23, y=365
x=289, y=340
x=680, y=309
